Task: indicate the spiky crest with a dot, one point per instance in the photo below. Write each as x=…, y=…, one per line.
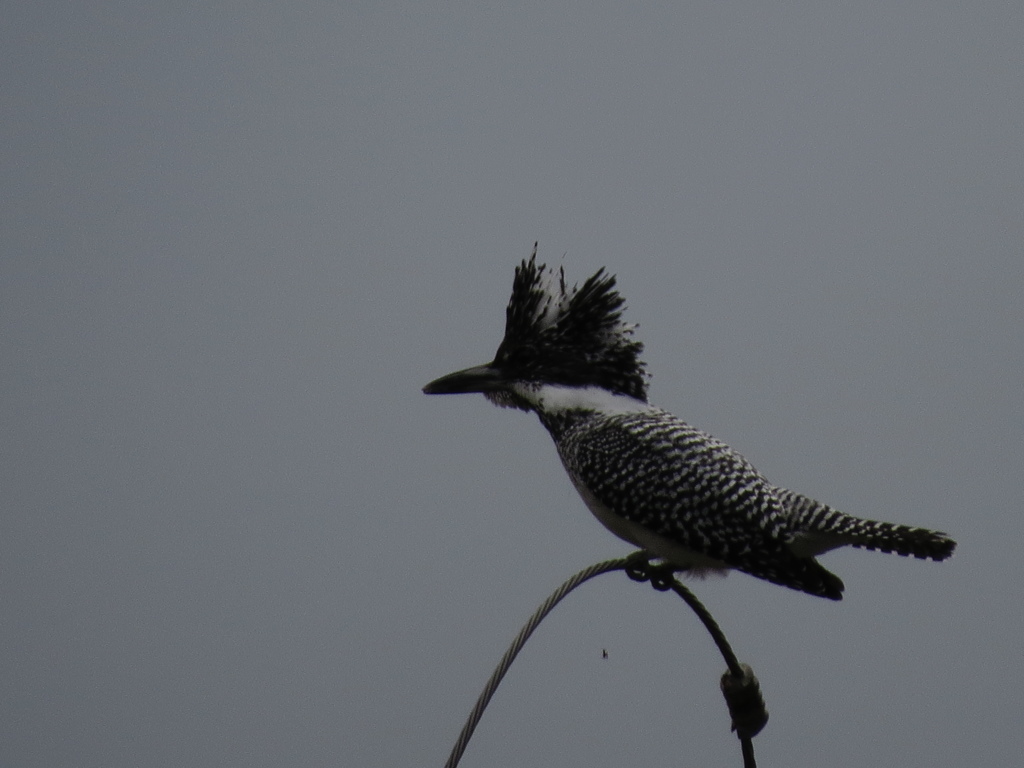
x=573, y=336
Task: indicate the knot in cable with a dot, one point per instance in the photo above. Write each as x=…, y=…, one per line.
x=746, y=705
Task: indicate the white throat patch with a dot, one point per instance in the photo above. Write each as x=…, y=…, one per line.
x=554, y=398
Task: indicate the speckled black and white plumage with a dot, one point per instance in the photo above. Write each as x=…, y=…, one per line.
x=706, y=505
x=649, y=477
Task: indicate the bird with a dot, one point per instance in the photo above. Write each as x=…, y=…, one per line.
x=679, y=494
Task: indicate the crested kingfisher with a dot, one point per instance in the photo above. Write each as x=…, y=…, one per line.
x=646, y=475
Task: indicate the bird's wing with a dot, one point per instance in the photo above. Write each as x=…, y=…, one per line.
x=660, y=473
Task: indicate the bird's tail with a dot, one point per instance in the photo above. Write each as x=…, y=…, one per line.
x=822, y=528
x=802, y=573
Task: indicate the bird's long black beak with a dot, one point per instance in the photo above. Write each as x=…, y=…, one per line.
x=480, y=378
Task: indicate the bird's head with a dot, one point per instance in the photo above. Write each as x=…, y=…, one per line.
x=556, y=337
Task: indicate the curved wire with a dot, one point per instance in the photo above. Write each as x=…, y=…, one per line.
x=739, y=686
x=517, y=645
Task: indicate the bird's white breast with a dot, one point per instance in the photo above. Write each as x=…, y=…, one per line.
x=646, y=539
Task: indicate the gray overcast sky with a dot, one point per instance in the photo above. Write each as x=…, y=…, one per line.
x=236, y=240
